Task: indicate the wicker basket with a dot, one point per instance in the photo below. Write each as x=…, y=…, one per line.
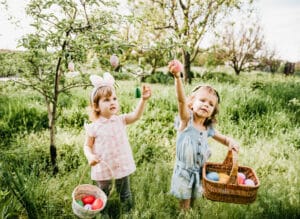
x=231, y=191
x=83, y=190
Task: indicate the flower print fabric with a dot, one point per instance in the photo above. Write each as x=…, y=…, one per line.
x=112, y=146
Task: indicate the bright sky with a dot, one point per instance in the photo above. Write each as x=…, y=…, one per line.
x=279, y=18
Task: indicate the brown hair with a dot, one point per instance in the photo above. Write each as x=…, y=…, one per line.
x=96, y=95
x=212, y=119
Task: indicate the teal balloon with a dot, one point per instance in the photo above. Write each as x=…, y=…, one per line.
x=138, y=92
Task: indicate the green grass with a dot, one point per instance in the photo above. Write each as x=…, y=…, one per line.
x=259, y=110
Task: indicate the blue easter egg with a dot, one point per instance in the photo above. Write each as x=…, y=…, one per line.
x=214, y=176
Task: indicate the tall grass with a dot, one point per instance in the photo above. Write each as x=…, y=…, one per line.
x=260, y=111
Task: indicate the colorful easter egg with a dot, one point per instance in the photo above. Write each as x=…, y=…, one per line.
x=212, y=176
x=249, y=182
x=71, y=67
x=88, y=199
x=80, y=203
x=138, y=92
x=114, y=61
x=88, y=207
x=176, y=66
x=97, y=204
x=241, y=178
x=223, y=178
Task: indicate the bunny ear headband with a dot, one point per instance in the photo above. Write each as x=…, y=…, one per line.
x=97, y=81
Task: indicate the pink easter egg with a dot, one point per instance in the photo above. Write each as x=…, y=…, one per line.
x=241, y=178
x=249, y=182
x=71, y=66
x=176, y=66
x=114, y=61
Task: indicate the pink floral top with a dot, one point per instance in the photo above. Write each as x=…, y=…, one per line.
x=112, y=146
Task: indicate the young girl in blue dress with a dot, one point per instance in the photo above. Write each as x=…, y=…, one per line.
x=197, y=114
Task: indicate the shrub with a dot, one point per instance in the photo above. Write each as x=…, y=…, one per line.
x=220, y=77
x=18, y=118
x=158, y=77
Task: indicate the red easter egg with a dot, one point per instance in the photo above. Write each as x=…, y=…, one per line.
x=97, y=204
x=88, y=199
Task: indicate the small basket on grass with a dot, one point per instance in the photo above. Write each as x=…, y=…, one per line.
x=230, y=191
x=83, y=190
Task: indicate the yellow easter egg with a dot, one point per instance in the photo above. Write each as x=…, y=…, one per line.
x=223, y=178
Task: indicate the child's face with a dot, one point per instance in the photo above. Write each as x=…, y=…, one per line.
x=204, y=102
x=108, y=105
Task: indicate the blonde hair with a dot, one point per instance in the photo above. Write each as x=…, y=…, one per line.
x=93, y=109
x=212, y=119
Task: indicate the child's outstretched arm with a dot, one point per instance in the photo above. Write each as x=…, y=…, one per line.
x=231, y=143
x=175, y=68
x=87, y=148
x=137, y=113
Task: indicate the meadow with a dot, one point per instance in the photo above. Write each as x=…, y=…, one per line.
x=260, y=110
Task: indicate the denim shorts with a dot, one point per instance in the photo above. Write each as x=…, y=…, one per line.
x=180, y=187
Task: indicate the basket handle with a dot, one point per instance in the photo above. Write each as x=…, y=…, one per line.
x=87, y=166
x=232, y=160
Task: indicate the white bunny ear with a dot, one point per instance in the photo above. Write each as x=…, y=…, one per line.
x=108, y=78
x=96, y=80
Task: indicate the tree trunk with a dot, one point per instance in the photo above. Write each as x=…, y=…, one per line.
x=53, y=152
x=187, y=74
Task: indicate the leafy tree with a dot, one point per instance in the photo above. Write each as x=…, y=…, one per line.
x=242, y=46
x=214, y=57
x=149, y=48
x=270, y=61
x=65, y=31
x=186, y=22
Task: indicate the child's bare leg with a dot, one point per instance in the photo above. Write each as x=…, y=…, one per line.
x=184, y=204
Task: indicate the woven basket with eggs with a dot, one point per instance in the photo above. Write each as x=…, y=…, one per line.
x=227, y=188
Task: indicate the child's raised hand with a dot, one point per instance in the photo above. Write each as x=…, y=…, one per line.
x=146, y=93
x=175, y=67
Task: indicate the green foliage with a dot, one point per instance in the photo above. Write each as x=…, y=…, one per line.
x=249, y=109
x=73, y=119
x=17, y=117
x=259, y=111
x=25, y=187
x=69, y=157
x=158, y=77
x=12, y=63
x=220, y=77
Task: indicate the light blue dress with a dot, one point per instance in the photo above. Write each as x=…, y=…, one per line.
x=192, y=151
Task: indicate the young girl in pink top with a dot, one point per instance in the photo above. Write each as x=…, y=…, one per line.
x=106, y=146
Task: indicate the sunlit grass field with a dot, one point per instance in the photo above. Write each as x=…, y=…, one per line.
x=261, y=111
